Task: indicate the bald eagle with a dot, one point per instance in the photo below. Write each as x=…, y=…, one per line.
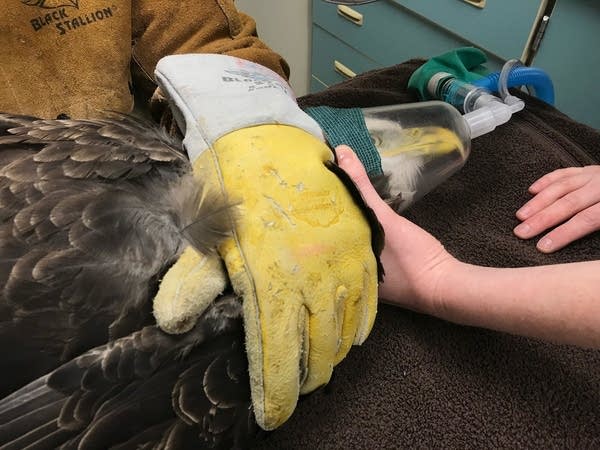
x=92, y=214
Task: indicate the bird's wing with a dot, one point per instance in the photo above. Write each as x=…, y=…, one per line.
x=146, y=390
x=118, y=147
x=91, y=214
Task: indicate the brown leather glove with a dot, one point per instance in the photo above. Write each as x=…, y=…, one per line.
x=74, y=58
x=191, y=27
x=65, y=57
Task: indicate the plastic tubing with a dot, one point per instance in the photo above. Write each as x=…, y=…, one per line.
x=522, y=76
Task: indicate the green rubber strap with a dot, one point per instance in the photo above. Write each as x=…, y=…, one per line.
x=347, y=126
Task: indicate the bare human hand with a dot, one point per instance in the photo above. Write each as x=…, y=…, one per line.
x=569, y=197
x=421, y=275
x=414, y=261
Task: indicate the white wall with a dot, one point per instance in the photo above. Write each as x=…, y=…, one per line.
x=284, y=25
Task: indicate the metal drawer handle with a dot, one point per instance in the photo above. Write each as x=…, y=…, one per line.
x=350, y=14
x=342, y=69
x=477, y=3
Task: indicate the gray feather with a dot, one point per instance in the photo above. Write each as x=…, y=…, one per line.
x=92, y=215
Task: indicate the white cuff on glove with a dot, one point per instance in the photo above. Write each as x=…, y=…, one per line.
x=214, y=94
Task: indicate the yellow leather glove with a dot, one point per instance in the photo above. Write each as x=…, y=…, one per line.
x=300, y=255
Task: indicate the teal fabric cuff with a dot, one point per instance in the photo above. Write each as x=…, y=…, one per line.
x=347, y=126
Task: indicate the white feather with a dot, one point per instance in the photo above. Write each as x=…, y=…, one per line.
x=403, y=168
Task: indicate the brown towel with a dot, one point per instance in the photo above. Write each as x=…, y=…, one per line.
x=422, y=382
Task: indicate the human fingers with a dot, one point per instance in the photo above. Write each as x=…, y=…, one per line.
x=580, y=225
x=560, y=201
x=396, y=227
x=551, y=177
x=555, y=213
x=350, y=163
x=554, y=192
x=412, y=258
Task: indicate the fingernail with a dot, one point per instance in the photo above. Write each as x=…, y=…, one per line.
x=535, y=184
x=343, y=152
x=545, y=244
x=524, y=212
x=522, y=230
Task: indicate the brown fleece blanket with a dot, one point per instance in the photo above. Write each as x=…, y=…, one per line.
x=423, y=382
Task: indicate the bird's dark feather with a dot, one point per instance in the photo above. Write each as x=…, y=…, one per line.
x=92, y=214
x=134, y=386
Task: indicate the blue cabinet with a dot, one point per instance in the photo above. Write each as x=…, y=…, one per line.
x=500, y=27
x=336, y=59
x=389, y=32
x=352, y=40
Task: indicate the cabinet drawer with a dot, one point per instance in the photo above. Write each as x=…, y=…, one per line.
x=326, y=50
x=502, y=27
x=316, y=85
x=389, y=34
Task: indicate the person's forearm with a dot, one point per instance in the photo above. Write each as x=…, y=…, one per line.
x=559, y=303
